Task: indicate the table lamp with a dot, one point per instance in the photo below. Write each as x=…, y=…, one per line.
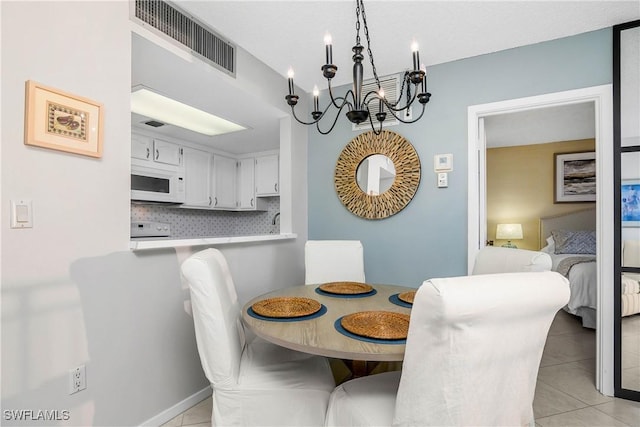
x=509, y=232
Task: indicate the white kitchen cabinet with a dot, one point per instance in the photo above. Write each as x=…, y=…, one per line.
x=246, y=184
x=167, y=152
x=197, y=175
x=141, y=147
x=267, y=175
x=224, y=182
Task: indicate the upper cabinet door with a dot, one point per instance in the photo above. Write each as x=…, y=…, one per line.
x=167, y=152
x=224, y=182
x=197, y=175
x=246, y=184
x=141, y=146
x=267, y=172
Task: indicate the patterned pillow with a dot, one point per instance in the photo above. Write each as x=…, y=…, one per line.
x=574, y=242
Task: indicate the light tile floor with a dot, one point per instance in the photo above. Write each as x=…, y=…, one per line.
x=565, y=392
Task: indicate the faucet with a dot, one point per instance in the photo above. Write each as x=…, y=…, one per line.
x=275, y=217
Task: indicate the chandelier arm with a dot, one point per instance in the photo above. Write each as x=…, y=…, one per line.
x=342, y=98
x=373, y=127
x=335, y=120
x=405, y=81
x=394, y=107
x=293, y=112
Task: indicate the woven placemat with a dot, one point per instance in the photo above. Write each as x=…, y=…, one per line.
x=377, y=324
x=407, y=296
x=350, y=288
x=286, y=307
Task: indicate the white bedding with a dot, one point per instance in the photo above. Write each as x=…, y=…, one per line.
x=582, y=282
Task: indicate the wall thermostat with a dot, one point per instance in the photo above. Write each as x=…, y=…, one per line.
x=443, y=162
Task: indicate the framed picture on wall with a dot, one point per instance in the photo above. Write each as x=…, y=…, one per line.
x=630, y=194
x=575, y=177
x=62, y=121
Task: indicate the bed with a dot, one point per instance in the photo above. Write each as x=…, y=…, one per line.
x=571, y=242
x=579, y=267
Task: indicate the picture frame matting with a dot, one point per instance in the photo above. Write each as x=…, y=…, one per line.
x=62, y=121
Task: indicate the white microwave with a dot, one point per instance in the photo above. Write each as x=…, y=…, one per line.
x=150, y=184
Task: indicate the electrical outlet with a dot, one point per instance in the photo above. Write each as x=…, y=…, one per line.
x=77, y=379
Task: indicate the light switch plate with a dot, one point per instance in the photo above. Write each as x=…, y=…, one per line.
x=21, y=214
x=443, y=180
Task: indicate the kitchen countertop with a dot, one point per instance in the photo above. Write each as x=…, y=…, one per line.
x=137, y=244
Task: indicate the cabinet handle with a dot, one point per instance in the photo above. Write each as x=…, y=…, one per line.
x=216, y=203
x=252, y=202
x=209, y=200
x=275, y=186
x=157, y=154
x=148, y=152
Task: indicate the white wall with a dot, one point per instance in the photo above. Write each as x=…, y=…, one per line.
x=72, y=292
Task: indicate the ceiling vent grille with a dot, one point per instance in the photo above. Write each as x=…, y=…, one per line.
x=391, y=85
x=200, y=40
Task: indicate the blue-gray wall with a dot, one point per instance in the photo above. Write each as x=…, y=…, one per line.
x=429, y=237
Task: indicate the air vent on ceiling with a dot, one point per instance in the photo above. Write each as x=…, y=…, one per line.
x=202, y=41
x=154, y=123
x=391, y=85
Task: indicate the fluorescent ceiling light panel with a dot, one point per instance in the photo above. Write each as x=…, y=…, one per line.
x=167, y=110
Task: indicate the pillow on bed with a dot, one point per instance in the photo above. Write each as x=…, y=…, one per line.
x=574, y=242
x=551, y=246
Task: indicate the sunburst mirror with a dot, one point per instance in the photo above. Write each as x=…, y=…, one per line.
x=376, y=176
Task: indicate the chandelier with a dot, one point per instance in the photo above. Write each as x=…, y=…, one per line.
x=414, y=83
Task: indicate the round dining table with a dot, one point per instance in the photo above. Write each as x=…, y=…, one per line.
x=321, y=333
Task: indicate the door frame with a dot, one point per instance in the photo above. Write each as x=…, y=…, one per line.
x=602, y=97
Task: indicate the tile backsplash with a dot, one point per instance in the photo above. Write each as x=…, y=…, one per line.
x=190, y=223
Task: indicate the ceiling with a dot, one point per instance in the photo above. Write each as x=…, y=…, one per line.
x=540, y=126
x=285, y=34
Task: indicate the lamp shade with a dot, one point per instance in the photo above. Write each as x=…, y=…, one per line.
x=509, y=231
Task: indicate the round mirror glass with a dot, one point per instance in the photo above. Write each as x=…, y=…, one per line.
x=375, y=174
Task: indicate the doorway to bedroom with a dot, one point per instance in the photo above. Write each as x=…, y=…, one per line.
x=491, y=123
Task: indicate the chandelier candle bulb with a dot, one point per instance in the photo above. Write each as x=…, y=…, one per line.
x=416, y=55
x=315, y=98
x=328, y=48
x=290, y=75
x=424, y=78
x=381, y=93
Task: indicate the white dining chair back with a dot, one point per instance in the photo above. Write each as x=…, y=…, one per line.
x=472, y=356
x=254, y=382
x=494, y=259
x=333, y=261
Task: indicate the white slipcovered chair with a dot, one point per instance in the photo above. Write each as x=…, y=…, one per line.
x=472, y=356
x=333, y=261
x=255, y=383
x=493, y=260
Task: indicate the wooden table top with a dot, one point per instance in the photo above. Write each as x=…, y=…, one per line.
x=319, y=335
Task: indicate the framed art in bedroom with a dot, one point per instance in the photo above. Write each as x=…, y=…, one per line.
x=630, y=193
x=575, y=177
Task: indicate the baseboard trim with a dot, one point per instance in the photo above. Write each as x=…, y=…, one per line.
x=178, y=408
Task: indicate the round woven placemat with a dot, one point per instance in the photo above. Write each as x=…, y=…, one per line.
x=350, y=288
x=407, y=296
x=386, y=325
x=286, y=307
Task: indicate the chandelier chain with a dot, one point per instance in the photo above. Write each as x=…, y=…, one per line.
x=366, y=33
x=358, y=22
